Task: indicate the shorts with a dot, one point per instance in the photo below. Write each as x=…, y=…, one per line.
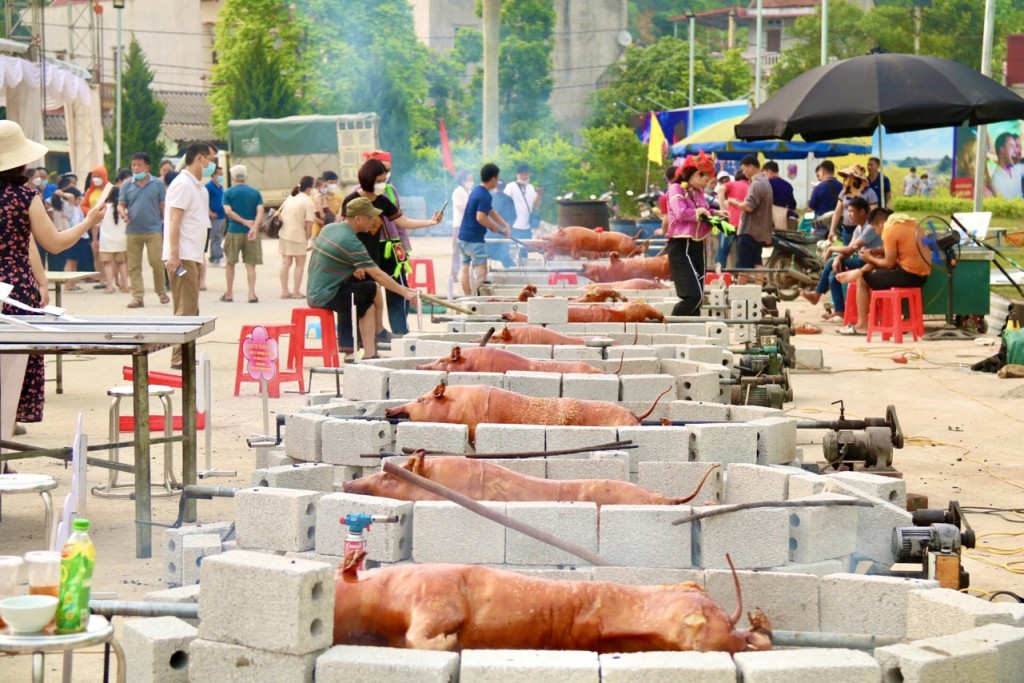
x=238, y=244
x=890, y=278
x=364, y=291
x=474, y=253
x=748, y=251
x=115, y=256
x=291, y=247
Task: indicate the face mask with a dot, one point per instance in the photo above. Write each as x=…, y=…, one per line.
x=331, y=187
x=97, y=181
x=37, y=181
x=209, y=169
x=139, y=176
x=379, y=188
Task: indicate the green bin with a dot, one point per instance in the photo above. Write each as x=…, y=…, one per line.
x=970, y=285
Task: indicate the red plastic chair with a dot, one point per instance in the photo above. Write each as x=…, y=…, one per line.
x=428, y=274
x=885, y=315
x=126, y=423
x=567, y=278
x=328, y=349
x=283, y=374
x=851, y=315
x=711, y=277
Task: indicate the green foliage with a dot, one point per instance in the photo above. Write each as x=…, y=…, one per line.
x=947, y=206
x=613, y=158
x=142, y=114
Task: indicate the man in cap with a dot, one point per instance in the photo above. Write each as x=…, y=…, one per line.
x=338, y=270
x=243, y=206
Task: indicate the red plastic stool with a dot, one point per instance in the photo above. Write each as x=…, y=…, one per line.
x=567, y=278
x=850, y=315
x=885, y=314
x=428, y=274
x=283, y=374
x=328, y=349
x=724, y=277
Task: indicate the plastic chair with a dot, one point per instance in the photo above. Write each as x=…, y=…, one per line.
x=283, y=374
x=428, y=274
x=328, y=349
x=711, y=277
x=851, y=315
x=126, y=423
x=567, y=278
x=885, y=315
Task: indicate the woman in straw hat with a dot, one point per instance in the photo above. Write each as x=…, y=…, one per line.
x=855, y=184
x=23, y=221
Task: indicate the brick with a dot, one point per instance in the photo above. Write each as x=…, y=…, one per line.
x=656, y=667
x=605, y=328
x=375, y=408
x=804, y=485
x=630, y=351
x=540, y=384
x=717, y=330
x=302, y=437
x=225, y=663
x=561, y=573
x=313, y=556
x=173, y=546
x=268, y=602
x=275, y=519
x=558, y=438
x=544, y=311
x=448, y=532
x=363, y=382
x=532, y=467
x=195, y=548
x=385, y=543
x=776, y=440
x=683, y=328
x=680, y=479
x=724, y=443
x=410, y=384
x=874, y=524
x=490, y=379
x=657, y=444
x=179, y=595
x=630, y=366
x=698, y=411
x=940, y=612
x=822, y=568
x=852, y=603
x=305, y=476
x=938, y=659
x=811, y=665
x=366, y=664
x=156, y=649
x=344, y=441
x=751, y=413
x=648, y=576
x=744, y=293
x=669, y=339
x=601, y=465
x=345, y=473
x=699, y=386
x=506, y=438
x=753, y=538
x=432, y=436
x=648, y=387
x=574, y=522
x=701, y=354
x=639, y=408
x=789, y=600
x=889, y=489
x=590, y=387
x=433, y=348
x=809, y=358
x=643, y=536
x=534, y=351
x=262, y=457
x=1007, y=641
x=822, y=533
x=753, y=483
x=582, y=353
x=277, y=458
x=536, y=666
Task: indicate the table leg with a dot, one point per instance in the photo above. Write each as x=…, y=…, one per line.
x=37, y=667
x=48, y=507
x=188, y=424
x=60, y=364
x=119, y=653
x=143, y=505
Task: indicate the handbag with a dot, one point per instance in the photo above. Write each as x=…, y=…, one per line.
x=273, y=224
x=534, y=218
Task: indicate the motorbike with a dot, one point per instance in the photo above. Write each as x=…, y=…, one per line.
x=795, y=263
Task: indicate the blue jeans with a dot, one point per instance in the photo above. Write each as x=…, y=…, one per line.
x=217, y=239
x=724, y=246
x=836, y=287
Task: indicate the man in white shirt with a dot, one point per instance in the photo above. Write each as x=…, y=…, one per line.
x=186, y=221
x=911, y=184
x=526, y=199
x=1006, y=177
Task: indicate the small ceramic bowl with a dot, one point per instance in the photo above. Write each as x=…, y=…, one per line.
x=28, y=613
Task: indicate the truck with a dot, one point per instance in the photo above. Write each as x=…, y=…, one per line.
x=277, y=152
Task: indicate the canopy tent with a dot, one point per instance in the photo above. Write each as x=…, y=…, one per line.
x=721, y=140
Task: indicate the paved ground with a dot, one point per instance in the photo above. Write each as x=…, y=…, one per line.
x=962, y=428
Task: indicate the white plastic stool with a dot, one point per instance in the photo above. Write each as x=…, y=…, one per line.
x=32, y=483
x=170, y=484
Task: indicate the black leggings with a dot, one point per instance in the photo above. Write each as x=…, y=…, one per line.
x=686, y=261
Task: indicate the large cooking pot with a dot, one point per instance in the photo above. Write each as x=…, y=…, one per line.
x=587, y=213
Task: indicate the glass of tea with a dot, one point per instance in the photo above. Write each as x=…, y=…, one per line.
x=10, y=567
x=43, y=573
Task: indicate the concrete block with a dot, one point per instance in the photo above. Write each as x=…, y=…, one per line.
x=344, y=473
x=853, y=603
x=804, y=485
x=822, y=568
x=874, y=524
x=505, y=438
x=410, y=384
x=776, y=440
x=698, y=386
x=822, y=533
x=630, y=366
x=535, y=351
x=156, y=650
x=173, y=546
x=558, y=438
x=583, y=353
x=294, y=612
x=366, y=664
x=809, y=358
x=386, y=542
x=601, y=465
x=592, y=329
x=540, y=384
x=630, y=351
x=666, y=339
x=889, y=489
x=433, y=348
x=344, y=441
x=225, y=663
x=590, y=387
x=701, y=354
x=724, y=443
x=698, y=411
x=560, y=573
x=684, y=328
x=304, y=476
x=680, y=480
x=432, y=436
x=951, y=659
x=262, y=457
x=519, y=666
x=302, y=437
x=648, y=387
x=648, y=576
x=544, y=311
x=275, y=519
x=638, y=408
x=940, y=612
x=643, y=536
x=532, y=467
x=404, y=347
x=656, y=667
x=811, y=665
x=279, y=459
x=362, y=382
x=751, y=413
x=179, y=595
x=657, y=444
x=575, y=522
x=752, y=483
x=753, y=538
x=1007, y=641
x=313, y=556
x=195, y=548
x=744, y=293
x=448, y=532
x=790, y=600
x=490, y=379
x=717, y=330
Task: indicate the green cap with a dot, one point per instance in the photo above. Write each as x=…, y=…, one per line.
x=80, y=524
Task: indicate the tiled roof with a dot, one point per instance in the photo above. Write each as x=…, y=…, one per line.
x=186, y=118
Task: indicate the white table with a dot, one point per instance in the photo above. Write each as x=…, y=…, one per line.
x=98, y=631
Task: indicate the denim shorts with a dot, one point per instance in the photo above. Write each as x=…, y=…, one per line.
x=474, y=253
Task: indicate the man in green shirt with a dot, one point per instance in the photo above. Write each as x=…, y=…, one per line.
x=338, y=270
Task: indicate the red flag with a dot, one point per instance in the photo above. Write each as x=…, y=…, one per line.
x=446, y=150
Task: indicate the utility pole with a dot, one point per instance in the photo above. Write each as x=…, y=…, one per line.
x=824, y=32
x=759, y=64
x=689, y=117
x=986, y=69
x=492, y=38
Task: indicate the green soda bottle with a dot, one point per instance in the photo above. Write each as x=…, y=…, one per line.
x=76, y=562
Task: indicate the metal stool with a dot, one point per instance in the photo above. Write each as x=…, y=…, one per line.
x=32, y=483
x=170, y=484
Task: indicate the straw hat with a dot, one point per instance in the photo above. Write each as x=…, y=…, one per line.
x=15, y=149
x=855, y=170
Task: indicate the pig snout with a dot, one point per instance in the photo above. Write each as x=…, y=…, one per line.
x=441, y=364
x=399, y=411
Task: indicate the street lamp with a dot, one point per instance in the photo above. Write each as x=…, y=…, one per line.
x=689, y=118
x=663, y=107
x=119, y=6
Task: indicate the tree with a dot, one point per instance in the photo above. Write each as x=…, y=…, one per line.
x=613, y=159
x=142, y=115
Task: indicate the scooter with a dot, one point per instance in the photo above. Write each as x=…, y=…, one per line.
x=795, y=262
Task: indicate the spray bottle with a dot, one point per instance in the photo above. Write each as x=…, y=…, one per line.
x=358, y=524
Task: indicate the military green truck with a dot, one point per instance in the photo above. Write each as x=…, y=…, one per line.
x=277, y=152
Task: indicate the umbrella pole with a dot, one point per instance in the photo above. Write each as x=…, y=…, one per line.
x=881, y=166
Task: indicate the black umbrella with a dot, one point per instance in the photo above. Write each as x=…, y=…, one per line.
x=902, y=92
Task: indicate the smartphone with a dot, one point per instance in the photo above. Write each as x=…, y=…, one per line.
x=106, y=193
x=443, y=207
x=181, y=271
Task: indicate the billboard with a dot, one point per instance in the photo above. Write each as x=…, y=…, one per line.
x=1004, y=170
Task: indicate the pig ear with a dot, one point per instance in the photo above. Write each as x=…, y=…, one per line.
x=415, y=462
x=456, y=353
x=439, y=390
x=614, y=256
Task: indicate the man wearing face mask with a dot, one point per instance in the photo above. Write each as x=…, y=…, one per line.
x=187, y=219
x=217, y=218
x=526, y=200
x=333, y=197
x=141, y=205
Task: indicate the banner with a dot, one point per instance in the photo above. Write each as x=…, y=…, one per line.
x=656, y=144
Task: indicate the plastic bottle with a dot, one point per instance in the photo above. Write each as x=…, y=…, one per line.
x=76, y=563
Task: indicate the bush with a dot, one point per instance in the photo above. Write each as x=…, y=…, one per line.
x=946, y=206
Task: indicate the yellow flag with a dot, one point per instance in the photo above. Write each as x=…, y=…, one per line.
x=655, y=148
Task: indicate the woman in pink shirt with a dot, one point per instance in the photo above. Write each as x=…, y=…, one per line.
x=730, y=189
x=687, y=230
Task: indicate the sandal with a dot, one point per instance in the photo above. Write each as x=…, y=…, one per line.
x=849, y=331
x=164, y=299
x=833, y=317
x=254, y=300
x=808, y=328
x=226, y=299
x=135, y=303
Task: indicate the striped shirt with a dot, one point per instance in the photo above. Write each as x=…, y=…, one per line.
x=337, y=253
